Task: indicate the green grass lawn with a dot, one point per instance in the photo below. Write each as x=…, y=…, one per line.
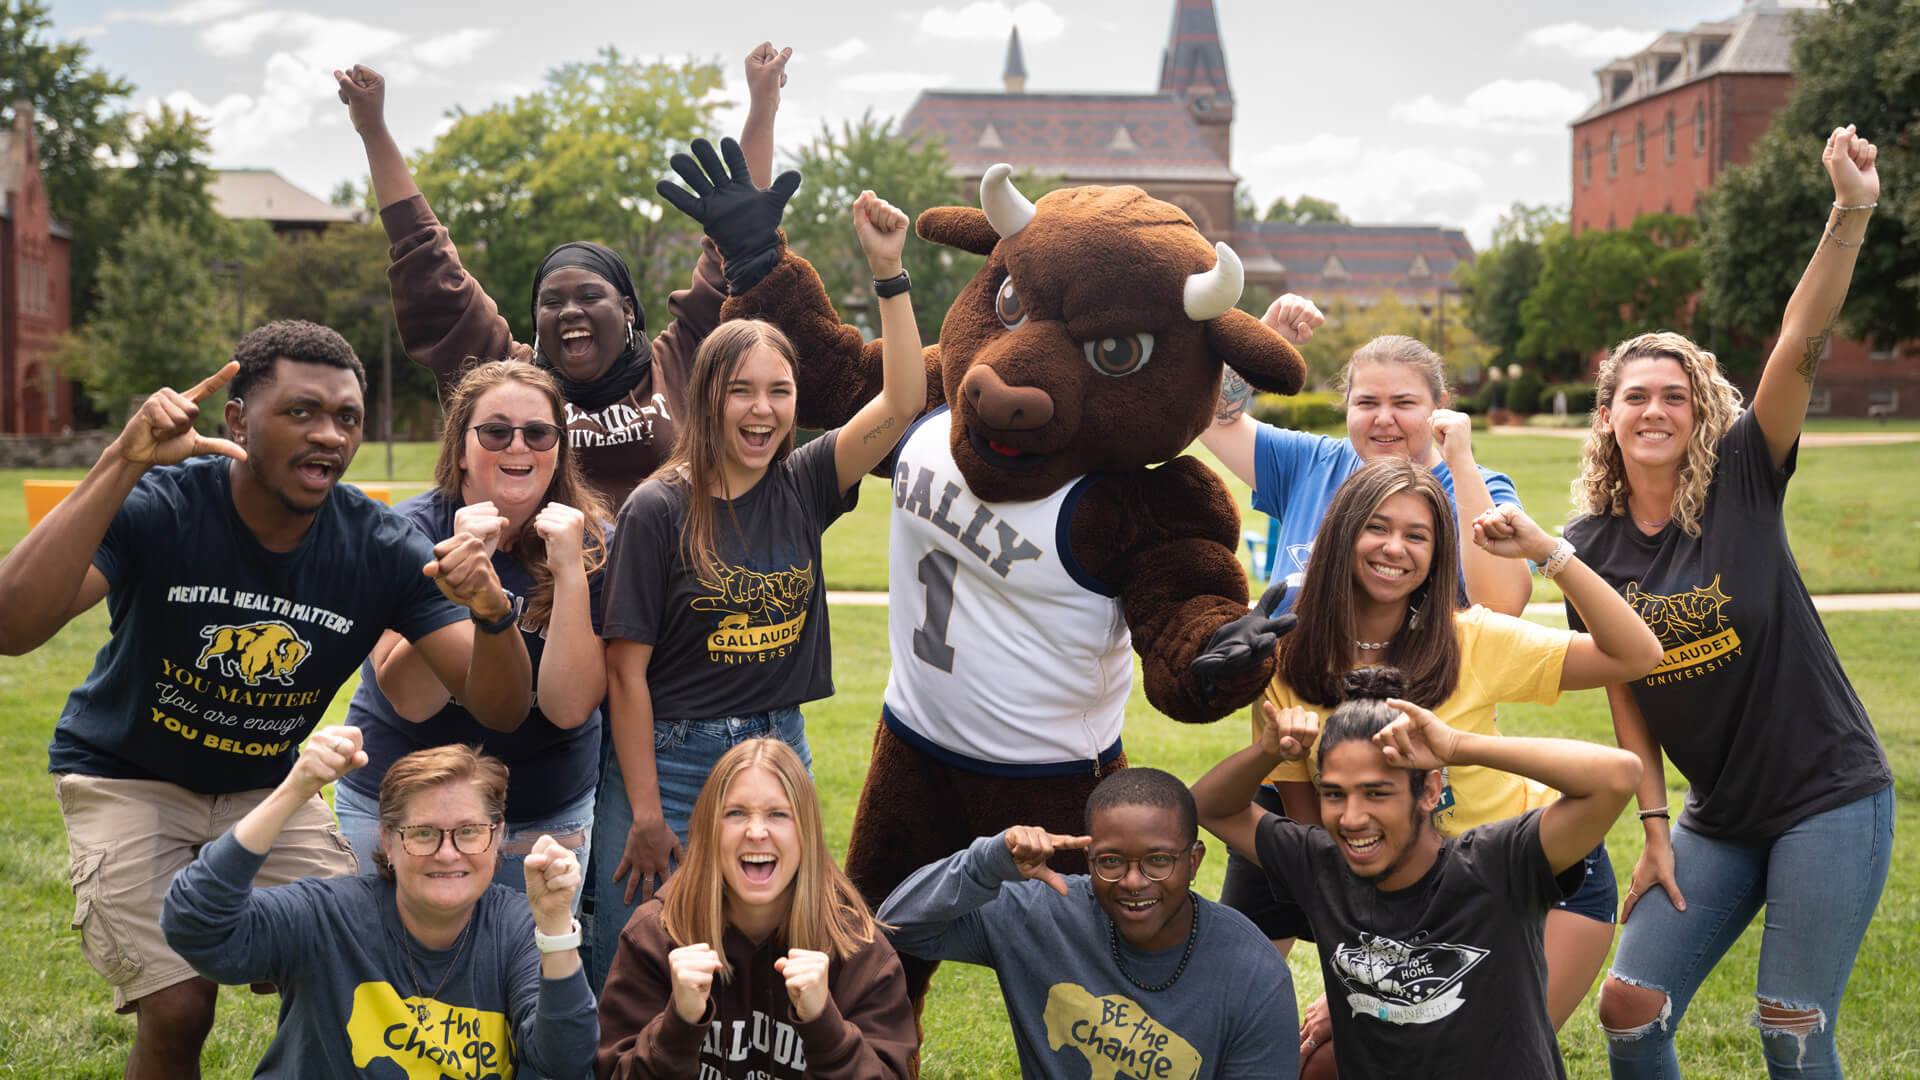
x=1856, y=523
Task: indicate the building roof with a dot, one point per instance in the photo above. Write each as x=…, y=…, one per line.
x=1757, y=41
x=1072, y=136
x=1323, y=260
x=1193, y=60
x=265, y=195
x=1016, y=63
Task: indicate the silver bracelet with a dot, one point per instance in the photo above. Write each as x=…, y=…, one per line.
x=1844, y=243
x=1862, y=206
x=1658, y=811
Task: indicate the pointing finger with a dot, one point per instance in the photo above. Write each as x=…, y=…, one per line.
x=1070, y=843
x=214, y=382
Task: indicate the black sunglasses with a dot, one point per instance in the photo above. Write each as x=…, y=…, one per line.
x=538, y=435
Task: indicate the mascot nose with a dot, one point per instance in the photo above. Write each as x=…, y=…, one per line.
x=1008, y=408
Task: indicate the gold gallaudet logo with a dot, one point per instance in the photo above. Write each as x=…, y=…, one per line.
x=254, y=651
x=760, y=612
x=1693, y=625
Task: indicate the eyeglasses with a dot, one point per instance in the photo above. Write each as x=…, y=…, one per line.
x=469, y=839
x=1156, y=865
x=539, y=435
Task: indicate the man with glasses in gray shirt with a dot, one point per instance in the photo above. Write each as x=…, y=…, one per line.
x=1123, y=972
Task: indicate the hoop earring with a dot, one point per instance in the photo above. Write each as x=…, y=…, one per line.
x=629, y=333
x=536, y=344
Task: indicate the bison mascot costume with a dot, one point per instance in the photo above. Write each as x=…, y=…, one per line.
x=1043, y=520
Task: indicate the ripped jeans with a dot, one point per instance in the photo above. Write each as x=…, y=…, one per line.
x=1819, y=882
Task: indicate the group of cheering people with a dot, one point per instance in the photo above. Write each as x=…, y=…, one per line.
x=1455, y=878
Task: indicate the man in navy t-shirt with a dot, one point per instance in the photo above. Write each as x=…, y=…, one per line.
x=244, y=589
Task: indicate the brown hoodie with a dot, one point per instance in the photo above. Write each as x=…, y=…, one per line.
x=749, y=1030
x=446, y=319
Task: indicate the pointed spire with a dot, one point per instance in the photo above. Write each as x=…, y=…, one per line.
x=1193, y=63
x=1015, y=75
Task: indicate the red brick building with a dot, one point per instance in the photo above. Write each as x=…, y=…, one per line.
x=1177, y=144
x=1671, y=118
x=34, y=301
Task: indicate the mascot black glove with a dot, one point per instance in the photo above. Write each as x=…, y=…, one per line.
x=743, y=220
x=1244, y=642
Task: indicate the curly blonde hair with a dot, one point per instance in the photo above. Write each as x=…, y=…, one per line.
x=1601, y=487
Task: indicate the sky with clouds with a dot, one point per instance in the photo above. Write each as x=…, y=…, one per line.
x=1399, y=110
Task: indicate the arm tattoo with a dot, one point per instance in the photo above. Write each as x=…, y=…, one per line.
x=1234, y=395
x=882, y=428
x=1817, y=349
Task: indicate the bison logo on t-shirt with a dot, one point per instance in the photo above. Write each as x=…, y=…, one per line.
x=262, y=650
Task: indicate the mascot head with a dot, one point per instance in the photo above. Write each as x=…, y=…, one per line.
x=1094, y=337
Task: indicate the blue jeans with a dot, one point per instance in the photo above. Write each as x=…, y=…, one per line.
x=684, y=753
x=1819, y=880
x=360, y=823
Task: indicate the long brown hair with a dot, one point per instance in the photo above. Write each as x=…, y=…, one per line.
x=826, y=913
x=1601, y=488
x=424, y=770
x=697, y=464
x=569, y=486
x=1317, y=655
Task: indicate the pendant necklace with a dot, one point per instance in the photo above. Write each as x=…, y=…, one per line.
x=1113, y=944
x=412, y=973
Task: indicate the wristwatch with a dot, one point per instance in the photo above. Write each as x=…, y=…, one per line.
x=500, y=625
x=893, y=286
x=558, y=942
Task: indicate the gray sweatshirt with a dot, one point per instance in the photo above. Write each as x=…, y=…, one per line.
x=1074, y=1015
x=358, y=997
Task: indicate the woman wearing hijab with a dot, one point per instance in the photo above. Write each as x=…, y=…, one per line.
x=624, y=393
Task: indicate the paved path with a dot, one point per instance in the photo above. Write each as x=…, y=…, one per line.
x=1837, y=602
x=1812, y=438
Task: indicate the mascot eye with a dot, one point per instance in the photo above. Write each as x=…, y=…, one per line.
x=1006, y=304
x=1119, y=355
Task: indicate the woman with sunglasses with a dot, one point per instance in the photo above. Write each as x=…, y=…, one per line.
x=625, y=393
x=506, y=476
x=428, y=969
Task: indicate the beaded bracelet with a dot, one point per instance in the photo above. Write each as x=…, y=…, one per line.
x=1862, y=206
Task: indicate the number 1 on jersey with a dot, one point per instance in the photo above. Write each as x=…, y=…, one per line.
x=937, y=569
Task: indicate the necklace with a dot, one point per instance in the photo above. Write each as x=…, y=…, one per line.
x=1372, y=646
x=1652, y=524
x=1113, y=944
x=460, y=945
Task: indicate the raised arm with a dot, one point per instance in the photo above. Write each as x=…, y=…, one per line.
x=766, y=75
x=1232, y=435
x=1594, y=781
x=49, y=576
x=1498, y=584
x=1619, y=646
x=935, y=913
x=482, y=663
x=1224, y=797
x=364, y=92
x=573, y=665
x=873, y=432
x=1786, y=384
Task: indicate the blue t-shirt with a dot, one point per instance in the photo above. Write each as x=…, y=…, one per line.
x=224, y=655
x=548, y=768
x=1295, y=475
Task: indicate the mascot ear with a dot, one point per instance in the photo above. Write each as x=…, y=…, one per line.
x=1257, y=352
x=962, y=227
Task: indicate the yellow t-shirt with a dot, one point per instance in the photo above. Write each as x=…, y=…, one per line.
x=1501, y=659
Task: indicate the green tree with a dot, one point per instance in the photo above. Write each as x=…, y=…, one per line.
x=1857, y=62
x=1498, y=281
x=575, y=160
x=1306, y=210
x=1604, y=285
x=160, y=321
x=80, y=124
x=1350, y=326
x=869, y=154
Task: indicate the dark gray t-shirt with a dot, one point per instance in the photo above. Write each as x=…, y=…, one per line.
x=754, y=640
x=1750, y=690
x=1446, y=977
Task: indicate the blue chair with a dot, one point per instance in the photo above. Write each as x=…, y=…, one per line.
x=1263, y=549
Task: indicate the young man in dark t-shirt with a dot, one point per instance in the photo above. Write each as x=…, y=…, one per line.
x=1432, y=949
x=243, y=593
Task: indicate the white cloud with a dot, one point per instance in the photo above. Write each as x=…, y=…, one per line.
x=1504, y=106
x=188, y=14
x=992, y=19
x=1590, y=42
x=1372, y=183
x=446, y=50
x=245, y=126
x=1524, y=158
x=316, y=39
x=1320, y=148
x=846, y=50
x=882, y=82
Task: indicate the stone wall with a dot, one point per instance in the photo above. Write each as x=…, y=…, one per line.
x=76, y=451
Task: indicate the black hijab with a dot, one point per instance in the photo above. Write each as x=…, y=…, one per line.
x=633, y=362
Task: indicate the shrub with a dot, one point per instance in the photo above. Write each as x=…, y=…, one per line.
x=1303, y=411
x=1523, y=393
x=1579, y=397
